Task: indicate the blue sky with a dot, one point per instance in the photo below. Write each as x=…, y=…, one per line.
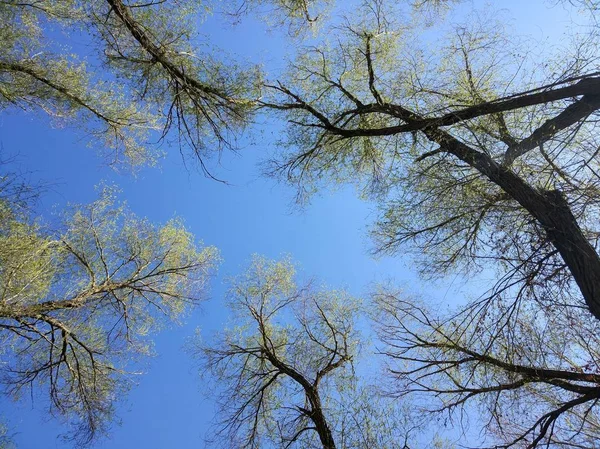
x=328, y=239
x=253, y=215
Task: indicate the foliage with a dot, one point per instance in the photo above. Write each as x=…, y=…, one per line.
x=532, y=371
x=297, y=15
x=79, y=303
x=286, y=369
x=480, y=151
x=154, y=83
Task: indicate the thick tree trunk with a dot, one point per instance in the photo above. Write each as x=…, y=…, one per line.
x=319, y=420
x=311, y=392
x=549, y=208
x=575, y=249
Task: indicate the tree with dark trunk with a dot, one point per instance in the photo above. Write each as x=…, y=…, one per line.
x=77, y=303
x=475, y=154
x=285, y=369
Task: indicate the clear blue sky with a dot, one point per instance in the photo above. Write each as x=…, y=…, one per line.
x=252, y=215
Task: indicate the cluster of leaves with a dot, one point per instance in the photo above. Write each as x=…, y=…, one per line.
x=153, y=79
x=286, y=369
x=77, y=303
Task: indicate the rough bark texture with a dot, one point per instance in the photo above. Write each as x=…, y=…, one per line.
x=319, y=420
x=549, y=208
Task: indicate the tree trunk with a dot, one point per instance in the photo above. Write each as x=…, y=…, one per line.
x=319, y=420
x=549, y=208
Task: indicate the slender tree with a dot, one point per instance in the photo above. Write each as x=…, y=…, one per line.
x=532, y=373
x=78, y=303
x=285, y=370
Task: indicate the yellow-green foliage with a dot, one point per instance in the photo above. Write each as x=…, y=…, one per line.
x=79, y=303
x=130, y=92
x=26, y=262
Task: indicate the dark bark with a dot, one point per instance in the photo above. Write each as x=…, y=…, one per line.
x=319, y=420
x=549, y=208
x=587, y=87
x=569, y=116
x=315, y=413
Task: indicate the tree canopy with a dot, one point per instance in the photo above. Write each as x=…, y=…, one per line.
x=79, y=302
x=478, y=148
x=147, y=77
x=287, y=367
x=462, y=146
x=482, y=155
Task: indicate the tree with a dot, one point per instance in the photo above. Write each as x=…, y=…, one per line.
x=155, y=83
x=477, y=154
x=285, y=370
x=482, y=155
x=533, y=374
x=78, y=303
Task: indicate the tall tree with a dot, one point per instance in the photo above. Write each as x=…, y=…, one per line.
x=477, y=150
x=285, y=369
x=482, y=154
x=78, y=303
x=533, y=374
x=154, y=77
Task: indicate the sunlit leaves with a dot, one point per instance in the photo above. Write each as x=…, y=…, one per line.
x=79, y=303
x=286, y=362
x=162, y=82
